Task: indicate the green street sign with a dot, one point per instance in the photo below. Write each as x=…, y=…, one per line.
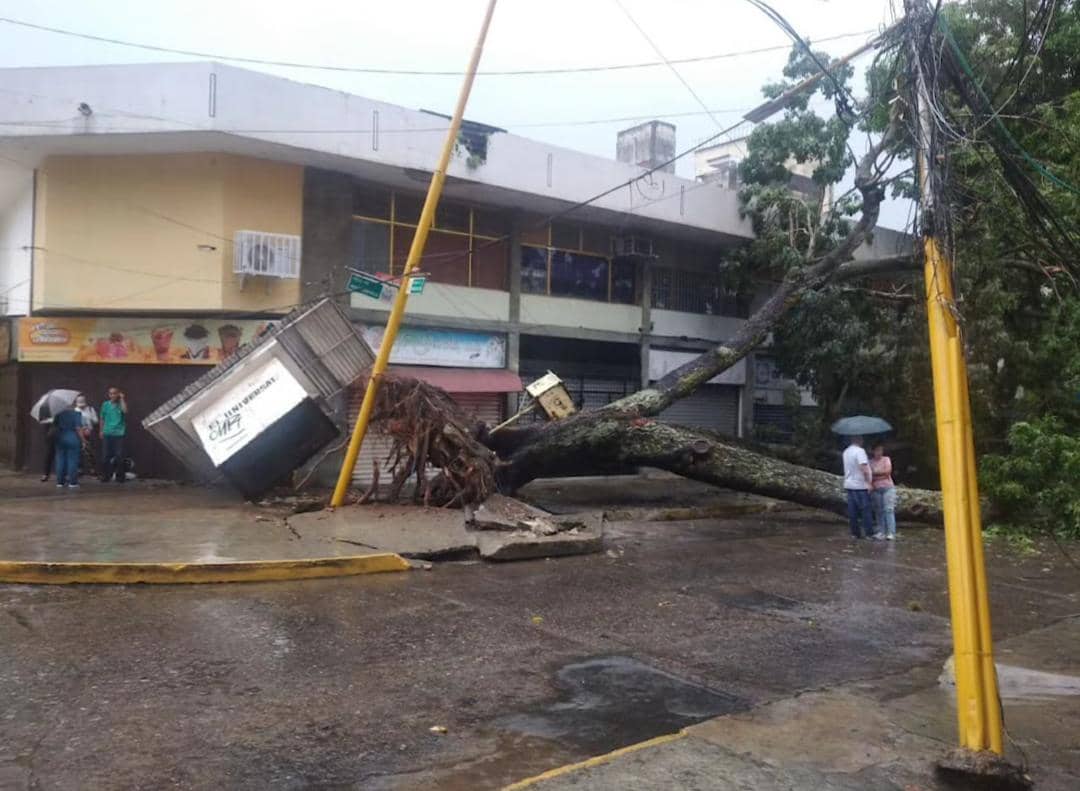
x=366, y=284
x=416, y=285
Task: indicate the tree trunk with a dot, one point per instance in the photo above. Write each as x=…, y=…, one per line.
x=598, y=442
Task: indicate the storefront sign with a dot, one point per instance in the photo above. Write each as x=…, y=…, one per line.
x=116, y=340
x=246, y=410
x=452, y=348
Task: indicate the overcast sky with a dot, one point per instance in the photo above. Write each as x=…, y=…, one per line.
x=439, y=34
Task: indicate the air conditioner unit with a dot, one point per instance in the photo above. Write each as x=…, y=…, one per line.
x=266, y=254
x=632, y=245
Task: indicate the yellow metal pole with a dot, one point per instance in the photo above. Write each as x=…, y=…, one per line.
x=978, y=713
x=416, y=250
x=994, y=723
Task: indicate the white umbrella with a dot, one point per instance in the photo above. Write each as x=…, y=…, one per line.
x=51, y=404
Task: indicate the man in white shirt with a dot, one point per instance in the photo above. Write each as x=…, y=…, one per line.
x=857, y=482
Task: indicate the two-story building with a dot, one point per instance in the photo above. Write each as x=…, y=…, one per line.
x=154, y=216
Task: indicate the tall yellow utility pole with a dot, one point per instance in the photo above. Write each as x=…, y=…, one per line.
x=978, y=706
x=416, y=251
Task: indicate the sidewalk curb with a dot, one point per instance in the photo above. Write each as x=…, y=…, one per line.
x=121, y=573
x=597, y=760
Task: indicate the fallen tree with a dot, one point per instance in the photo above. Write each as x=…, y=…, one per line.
x=429, y=429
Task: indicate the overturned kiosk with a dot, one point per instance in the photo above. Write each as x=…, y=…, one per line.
x=268, y=408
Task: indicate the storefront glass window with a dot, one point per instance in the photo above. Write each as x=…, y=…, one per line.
x=465, y=246
x=373, y=201
x=623, y=282
x=533, y=270
x=579, y=275
x=370, y=246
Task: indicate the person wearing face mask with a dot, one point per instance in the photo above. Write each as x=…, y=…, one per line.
x=90, y=422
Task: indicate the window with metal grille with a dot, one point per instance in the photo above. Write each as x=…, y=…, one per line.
x=692, y=292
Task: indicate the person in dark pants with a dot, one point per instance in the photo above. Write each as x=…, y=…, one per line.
x=69, y=439
x=112, y=430
x=50, y=449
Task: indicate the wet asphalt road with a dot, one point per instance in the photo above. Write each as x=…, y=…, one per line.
x=336, y=683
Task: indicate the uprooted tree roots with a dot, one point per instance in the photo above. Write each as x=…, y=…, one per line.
x=430, y=431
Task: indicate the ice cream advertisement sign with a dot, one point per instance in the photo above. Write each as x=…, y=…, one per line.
x=144, y=341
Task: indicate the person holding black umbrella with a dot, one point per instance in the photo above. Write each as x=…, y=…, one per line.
x=858, y=477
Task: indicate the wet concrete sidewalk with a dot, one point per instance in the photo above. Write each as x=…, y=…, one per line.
x=164, y=522
x=152, y=522
x=885, y=734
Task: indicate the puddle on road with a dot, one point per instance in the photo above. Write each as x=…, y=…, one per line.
x=610, y=702
x=748, y=598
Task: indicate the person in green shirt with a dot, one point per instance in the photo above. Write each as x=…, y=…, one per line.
x=113, y=428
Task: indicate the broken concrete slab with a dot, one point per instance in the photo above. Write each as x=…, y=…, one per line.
x=414, y=531
x=500, y=512
x=442, y=533
x=585, y=536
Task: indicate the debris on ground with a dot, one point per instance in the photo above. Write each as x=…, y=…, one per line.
x=499, y=512
x=500, y=529
x=983, y=769
x=508, y=529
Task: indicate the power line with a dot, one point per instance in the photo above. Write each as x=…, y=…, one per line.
x=843, y=94
x=405, y=72
x=667, y=62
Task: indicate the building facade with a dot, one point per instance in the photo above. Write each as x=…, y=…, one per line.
x=152, y=217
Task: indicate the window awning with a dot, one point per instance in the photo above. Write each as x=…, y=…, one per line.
x=462, y=380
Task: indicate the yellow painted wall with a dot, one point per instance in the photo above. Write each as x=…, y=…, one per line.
x=148, y=233
x=262, y=196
